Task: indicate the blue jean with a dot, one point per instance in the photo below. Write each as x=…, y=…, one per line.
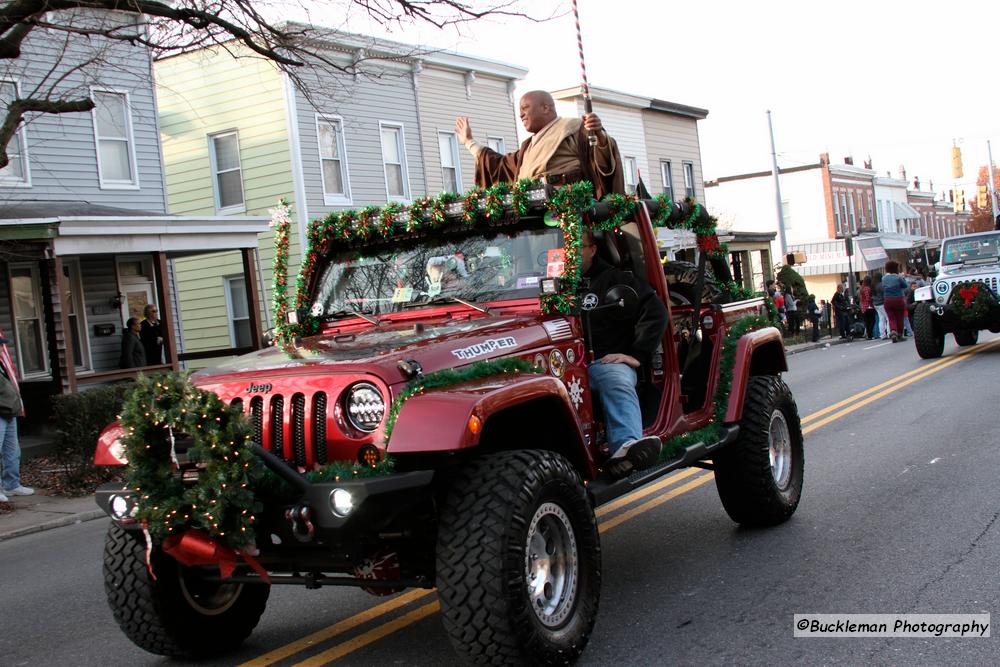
x=615, y=387
x=11, y=478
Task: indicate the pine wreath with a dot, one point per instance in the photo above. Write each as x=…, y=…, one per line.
x=972, y=302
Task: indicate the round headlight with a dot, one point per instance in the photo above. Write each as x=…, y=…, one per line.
x=941, y=287
x=120, y=506
x=341, y=502
x=365, y=407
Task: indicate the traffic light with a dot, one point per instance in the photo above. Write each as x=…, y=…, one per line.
x=956, y=162
x=982, y=197
x=958, y=199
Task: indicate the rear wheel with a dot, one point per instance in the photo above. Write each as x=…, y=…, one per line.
x=759, y=477
x=518, y=561
x=966, y=338
x=179, y=614
x=928, y=340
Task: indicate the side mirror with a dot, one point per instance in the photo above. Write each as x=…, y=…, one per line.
x=624, y=297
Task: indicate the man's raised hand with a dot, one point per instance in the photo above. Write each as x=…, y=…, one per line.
x=463, y=129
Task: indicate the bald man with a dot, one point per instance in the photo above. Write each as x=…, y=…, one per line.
x=559, y=150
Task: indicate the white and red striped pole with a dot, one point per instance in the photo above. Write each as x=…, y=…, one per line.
x=588, y=105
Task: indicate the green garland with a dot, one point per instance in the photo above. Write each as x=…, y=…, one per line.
x=281, y=223
x=622, y=208
x=567, y=205
x=449, y=377
x=972, y=302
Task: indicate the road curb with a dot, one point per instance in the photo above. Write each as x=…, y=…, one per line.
x=814, y=346
x=67, y=520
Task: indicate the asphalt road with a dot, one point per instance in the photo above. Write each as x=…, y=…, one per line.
x=898, y=515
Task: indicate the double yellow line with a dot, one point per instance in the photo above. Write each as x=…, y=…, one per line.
x=694, y=477
x=842, y=408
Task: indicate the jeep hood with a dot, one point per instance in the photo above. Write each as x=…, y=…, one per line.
x=435, y=345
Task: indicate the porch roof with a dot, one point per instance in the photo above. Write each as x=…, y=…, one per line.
x=80, y=228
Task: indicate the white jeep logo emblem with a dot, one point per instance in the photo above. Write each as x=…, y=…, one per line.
x=589, y=301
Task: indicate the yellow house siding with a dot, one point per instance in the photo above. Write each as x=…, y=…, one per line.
x=442, y=96
x=673, y=138
x=201, y=94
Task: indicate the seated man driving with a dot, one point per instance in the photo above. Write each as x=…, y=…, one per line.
x=621, y=345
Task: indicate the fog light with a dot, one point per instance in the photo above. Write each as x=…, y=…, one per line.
x=120, y=507
x=341, y=502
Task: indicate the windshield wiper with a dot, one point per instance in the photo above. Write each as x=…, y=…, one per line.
x=446, y=299
x=348, y=311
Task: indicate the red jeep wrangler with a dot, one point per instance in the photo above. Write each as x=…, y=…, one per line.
x=496, y=474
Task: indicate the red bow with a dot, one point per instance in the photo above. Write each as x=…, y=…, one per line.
x=196, y=547
x=969, y=293
x=708, y=243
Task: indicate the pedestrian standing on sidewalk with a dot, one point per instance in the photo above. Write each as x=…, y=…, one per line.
x=792, y=312
x=10, y=409
x=867, y=308
x=878, y=300
x=894, y=287
x=813, y=313
x=841, y=308
x=779, y=303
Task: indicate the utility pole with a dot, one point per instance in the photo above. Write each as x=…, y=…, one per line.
x=993, y=195
x=777, y=190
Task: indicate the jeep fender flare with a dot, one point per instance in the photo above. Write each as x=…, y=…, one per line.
x=448, y=412
x=760, y=352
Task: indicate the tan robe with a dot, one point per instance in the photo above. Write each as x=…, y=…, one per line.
x=561, y=147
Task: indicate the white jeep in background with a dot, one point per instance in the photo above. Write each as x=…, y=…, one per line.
x=963, y=297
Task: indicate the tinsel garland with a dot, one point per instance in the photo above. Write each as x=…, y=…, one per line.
x=449, y=377
x=622, y=207
x=567, y=205
x=972, y=302
x=281, y=223
x=712, y=432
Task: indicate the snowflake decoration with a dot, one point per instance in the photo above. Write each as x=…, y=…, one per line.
x=576, y=392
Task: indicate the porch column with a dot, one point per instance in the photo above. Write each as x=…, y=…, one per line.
x=253, y=296
x=61, y=342
x=166, y=311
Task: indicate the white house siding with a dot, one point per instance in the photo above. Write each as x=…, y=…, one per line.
x=673, y=138
x=361, y=105
x=442, y=96
x=62, y=152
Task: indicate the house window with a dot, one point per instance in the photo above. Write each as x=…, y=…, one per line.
x=16, y=171
x=27, y=300
x=394, y=160
x=843, y=213
x=451, y=171
x=497, y=144
x=225, y=158
x=853, y=219
x=667, y=172
x=113, y=132
x=333, y=161
x=239, y=312
x=629, y=171
x=688, y=179
x=72, y=303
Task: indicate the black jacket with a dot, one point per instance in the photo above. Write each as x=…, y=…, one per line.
x=609, y=332
x=148, y=333
x=133, y=355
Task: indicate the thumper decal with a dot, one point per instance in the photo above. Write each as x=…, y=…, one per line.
x=484, y=348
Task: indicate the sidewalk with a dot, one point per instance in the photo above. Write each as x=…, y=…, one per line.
x=41, y=511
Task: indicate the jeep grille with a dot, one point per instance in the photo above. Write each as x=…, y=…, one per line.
x=990, y=282
x=271, y=433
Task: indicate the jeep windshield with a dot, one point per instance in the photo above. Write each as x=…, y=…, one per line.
x=475, y=266
x=979, y=249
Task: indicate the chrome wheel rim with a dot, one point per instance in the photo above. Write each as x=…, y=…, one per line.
x=551, y=565
x=208, y=598
x=779, y=445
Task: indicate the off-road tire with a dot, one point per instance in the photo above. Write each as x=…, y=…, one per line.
x=966, y=338
x=682, y=278
x=484, y=558
x=159, y=617
x=928, y=340
x=757, y=490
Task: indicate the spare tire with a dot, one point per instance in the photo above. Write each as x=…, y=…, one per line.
x=681, y=280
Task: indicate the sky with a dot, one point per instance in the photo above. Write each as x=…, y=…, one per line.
x=895, y=81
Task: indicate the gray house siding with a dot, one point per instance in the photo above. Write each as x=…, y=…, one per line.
x=361, y=105
x=443, y=96
x=100, y=287
x=62, y=152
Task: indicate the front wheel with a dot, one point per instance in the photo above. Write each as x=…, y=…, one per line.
x=966, y=338
x=928, y=340
x=759, y=477
x=518, y=561
x=178, y=614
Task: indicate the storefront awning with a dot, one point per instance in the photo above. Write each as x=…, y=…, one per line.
x=892, y=241
x=872, y=253
x=830, y=257
x=903, y=211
